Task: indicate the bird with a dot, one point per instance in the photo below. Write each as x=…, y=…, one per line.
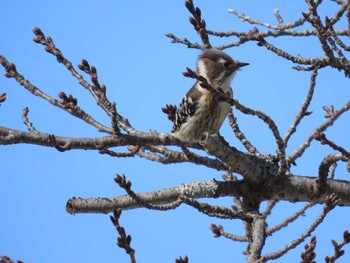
x=200, y=110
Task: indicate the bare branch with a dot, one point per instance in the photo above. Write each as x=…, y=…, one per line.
x=270, y=205
x=170, y=111
x=126, y=185
x=289, y=219
x=26, y=121
x=332, y=118
x=216, y=211
x=219, y=231
x=338, y=252
x=6, y=259
x=240, y=136
x=309, y=254
x=167, y=156
x=182, y=260
x=11, y=72
x=257, y=239
x=294, y=188
x=273, y=127
x=281, y=27
x=131, y=153
x=323, y=169
x=203, y=189
x=197, y=22
x=268, y=33
x=184, y=41
x=2, y=97
x=321, y=137
x=330, y=202
x=239, y=163
x=303, y=110
x=124, y=240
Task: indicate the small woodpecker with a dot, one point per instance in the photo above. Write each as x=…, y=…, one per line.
x=200, y=111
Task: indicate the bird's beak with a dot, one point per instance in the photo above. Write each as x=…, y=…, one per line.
x=242, y=64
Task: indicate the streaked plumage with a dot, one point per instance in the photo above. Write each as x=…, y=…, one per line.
x=199, y=110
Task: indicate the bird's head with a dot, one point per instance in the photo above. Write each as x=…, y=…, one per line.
x=217, y=67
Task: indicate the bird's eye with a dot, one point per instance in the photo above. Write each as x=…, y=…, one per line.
x=227, y=64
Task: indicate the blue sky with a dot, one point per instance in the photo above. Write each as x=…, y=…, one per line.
x=126, y=41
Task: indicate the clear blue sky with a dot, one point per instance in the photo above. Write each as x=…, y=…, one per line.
x=126, y=41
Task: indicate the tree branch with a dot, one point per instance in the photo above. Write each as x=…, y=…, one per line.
x=292, y=189
x=258, y=238
x=330, y=202
x=333, y=116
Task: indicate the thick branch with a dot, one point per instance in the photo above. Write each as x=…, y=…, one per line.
x=11, y=136
x=292, y=189
x=258, y=238
x=251, y=167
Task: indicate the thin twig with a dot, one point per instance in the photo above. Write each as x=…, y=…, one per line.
x=309, y=254
x=182, y=260
x=270, y=205
x=197, y=22
x=126, y=185
x=304, y=108
x=26, y=121
x=215, y=211
x=124, y=240
x=289, y=219
x=323, y=169
x=338, y=252
x=325, y=141
x=74, y=110
x=240, y=136
x=330, y=202
x=333, y=116
x=219, y=231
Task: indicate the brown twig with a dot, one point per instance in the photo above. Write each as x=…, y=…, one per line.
x=6, y=259
x=281, y=27
x=330, y=202
x=97, y=91
x=323, y=169
x=11, y=72
x=2, y=97
x=124, y=240
x=321, y=137
x=166, y=156
x=289, y=219
x=197, y=22
x=304, y=108
x=270, y=205
x=338, y=252
x=269, y=33
x=59, y=147
x=215, y=211
x=240, y=136
x=314, y=19
x=131, y=153
x=219, y=231
x=182, y=260
x=309, y=254
x=170, y=111
x=273, y=127
x=26, y=121
x=184, y=41
x=333, y=116
x=126, y=185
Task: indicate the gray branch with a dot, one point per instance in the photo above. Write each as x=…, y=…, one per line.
x=288, y=188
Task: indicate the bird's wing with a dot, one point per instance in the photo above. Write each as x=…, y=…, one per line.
x=188, y=107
